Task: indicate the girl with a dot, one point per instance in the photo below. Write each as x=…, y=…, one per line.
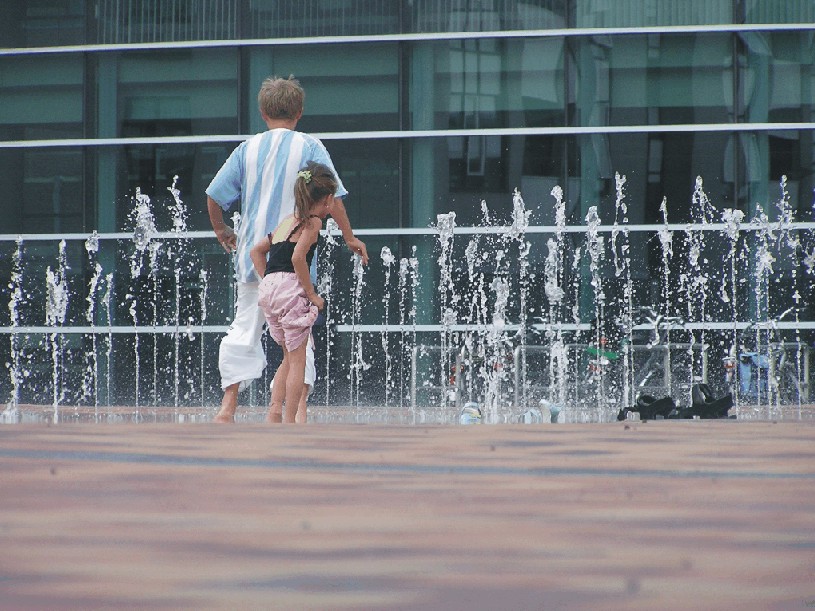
x=286, y=294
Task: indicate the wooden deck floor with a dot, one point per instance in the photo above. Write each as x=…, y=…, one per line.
x=657, y=515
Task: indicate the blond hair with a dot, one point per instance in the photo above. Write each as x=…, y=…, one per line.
x=314, y=182
x=281, y=98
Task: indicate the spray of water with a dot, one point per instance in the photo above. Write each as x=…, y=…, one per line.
x=520, y=223
x=324, y=289
x=445, y=225
x=387, y=261
x=90, y=382
x=594, y=246
x=12, y=412
x=144, y=229
x=56, y=308
x=358, y=363
x=203, y=277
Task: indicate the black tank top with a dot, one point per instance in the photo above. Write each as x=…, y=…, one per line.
x=280, y=253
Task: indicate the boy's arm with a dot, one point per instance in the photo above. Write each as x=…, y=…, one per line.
x=298, y=259
x=339, y=214
x=225, y=234
x=258, y=256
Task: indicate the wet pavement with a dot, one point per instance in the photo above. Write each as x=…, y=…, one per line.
x=630, y=515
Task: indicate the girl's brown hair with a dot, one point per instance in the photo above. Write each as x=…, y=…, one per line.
x=313, y=183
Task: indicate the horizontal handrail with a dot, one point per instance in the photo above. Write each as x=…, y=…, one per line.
x=196, y=328
x=417, y=37
x=566, y=130
x=432, y=231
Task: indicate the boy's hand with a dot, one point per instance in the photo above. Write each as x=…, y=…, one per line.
x=358, y=246
x=226, y=236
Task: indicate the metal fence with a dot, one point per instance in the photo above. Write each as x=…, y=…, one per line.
x=143, y=21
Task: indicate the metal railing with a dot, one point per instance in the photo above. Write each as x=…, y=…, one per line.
x=148, y=21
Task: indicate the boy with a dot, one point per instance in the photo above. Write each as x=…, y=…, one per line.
x=260, y=173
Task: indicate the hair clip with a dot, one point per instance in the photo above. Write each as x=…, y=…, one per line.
x=305, y=175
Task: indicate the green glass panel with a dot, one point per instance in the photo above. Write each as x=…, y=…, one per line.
x=636, y=13
x=348, y=87
x=653, y=80
x=298, y=18
x=49, y=188
x=174, y=93
x=41, y=96
x=43, y=23
x=779, y=11
x=778, y=78
x=469, y=84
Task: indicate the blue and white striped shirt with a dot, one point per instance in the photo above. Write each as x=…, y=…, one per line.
x=261, y=173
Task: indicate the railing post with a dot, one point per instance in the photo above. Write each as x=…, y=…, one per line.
x=704, y=363
x=413, y=353
x=516, y=359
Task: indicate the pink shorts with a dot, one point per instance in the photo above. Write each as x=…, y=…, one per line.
x=288, y=311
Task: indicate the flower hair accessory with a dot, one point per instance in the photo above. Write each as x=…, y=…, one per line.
x=305, y=175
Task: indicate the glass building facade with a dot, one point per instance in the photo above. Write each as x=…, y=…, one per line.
x=426, y=107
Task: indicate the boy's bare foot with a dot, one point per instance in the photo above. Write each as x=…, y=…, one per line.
x=274, y=417
x=228, y=404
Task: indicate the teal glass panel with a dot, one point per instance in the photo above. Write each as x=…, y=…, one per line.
x=655, y=166
x=153, y=169
x=487, y=168
x=778, y=77
x=466, y=16
x=775, y=11
x=370, y=171
x=48, y=187
x=171, y=93
x=298, y=18
x=778, y=86
x=43, y=23
x=487, y=83
x=348, y=87
x=652, y=80
x=42, y=96
x=769, y=156
x=636, y=13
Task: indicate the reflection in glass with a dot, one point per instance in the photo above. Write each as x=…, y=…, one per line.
x=42, y=97
x=174, y=93
x=772, y=11
x=652, y=80
x=488, y=83
x=43, y=23
x=49, y=190
x=778, y=86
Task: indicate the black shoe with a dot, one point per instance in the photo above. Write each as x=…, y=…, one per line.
x=706, y=406
x=650, y=407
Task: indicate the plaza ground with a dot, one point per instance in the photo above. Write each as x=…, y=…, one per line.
x=629, y=515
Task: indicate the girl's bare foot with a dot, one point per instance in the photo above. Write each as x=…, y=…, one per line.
x=274, y=417
x=224, y=417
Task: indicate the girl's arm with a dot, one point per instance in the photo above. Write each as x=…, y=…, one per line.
x=258, y=256
x=339, y=214
x=309, y=234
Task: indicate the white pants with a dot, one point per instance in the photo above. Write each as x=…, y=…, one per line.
x=241, y=358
